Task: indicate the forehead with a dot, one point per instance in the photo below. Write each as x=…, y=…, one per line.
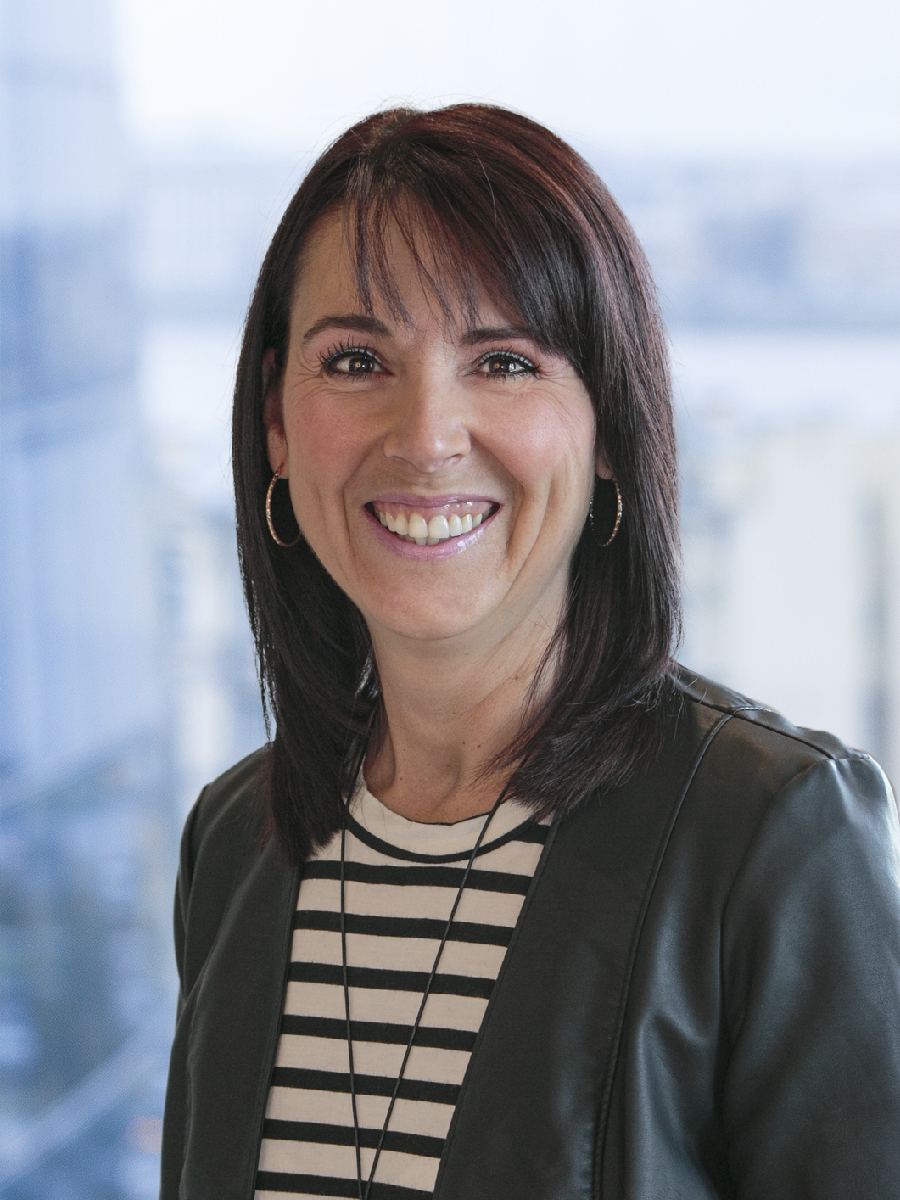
x=420, y=291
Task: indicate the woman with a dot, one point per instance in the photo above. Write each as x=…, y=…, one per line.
x=511, y=906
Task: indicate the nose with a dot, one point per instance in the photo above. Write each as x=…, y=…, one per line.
x=428, y=430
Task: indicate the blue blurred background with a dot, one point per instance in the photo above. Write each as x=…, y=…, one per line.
x=147, y=150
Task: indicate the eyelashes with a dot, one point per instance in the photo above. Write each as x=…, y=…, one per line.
x=507, y=364
x=359, y=360
x=353, y=361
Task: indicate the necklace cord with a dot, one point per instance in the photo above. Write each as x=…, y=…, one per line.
x=364, y=1192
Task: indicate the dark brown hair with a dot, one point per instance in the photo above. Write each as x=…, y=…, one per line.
x=513, y=209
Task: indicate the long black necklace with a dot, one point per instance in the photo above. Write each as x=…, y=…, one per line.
x=364, y=1190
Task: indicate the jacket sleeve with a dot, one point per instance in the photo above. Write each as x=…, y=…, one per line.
x=176, y=1098
x=234, y=905
x=182, y=896
x=811, y=954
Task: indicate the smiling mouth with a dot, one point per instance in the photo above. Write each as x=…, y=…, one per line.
x=427, y=526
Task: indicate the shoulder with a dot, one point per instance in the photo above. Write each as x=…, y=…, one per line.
x=757, y=721
x=762, y=798
x=227, y=818
x=224, y=836
x=759, y=746
x=734, y=782
x=778, y=800
x=229, y=799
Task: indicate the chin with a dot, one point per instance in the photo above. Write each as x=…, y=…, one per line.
x=427, y=622
x=424, y=629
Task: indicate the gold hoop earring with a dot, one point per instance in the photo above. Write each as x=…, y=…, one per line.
x=270, y=522
x=618, y=522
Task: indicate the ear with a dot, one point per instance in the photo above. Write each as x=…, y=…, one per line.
x=601, y=464
x=276, y=442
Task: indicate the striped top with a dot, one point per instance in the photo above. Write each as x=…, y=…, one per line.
x=401, y=879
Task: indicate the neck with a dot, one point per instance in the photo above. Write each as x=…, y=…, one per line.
x=449, y=711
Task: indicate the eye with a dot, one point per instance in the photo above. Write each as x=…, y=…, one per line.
x=506, y=364
x=350, y=361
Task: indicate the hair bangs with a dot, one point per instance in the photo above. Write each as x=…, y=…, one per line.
x=468, y=238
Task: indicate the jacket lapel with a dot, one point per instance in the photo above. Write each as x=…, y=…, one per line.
x=532, y=1110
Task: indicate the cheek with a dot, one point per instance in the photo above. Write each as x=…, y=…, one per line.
x=325, y=446
x=553, y=451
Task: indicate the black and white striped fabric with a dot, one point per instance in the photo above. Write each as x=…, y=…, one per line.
x=401, y=880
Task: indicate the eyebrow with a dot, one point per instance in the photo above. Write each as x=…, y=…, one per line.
x=492, y=333
x=364, y=323
x=358, y=321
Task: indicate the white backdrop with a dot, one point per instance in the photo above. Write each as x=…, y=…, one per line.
x=707, y=76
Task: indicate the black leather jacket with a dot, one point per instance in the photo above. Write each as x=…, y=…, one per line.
x=702, y=997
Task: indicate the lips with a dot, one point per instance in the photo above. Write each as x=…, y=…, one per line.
x=428, y=523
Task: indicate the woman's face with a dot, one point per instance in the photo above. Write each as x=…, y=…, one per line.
x=441, y=471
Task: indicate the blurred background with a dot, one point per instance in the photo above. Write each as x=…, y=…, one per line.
x=147, y=149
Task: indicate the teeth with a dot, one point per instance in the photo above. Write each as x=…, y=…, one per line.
x=417, y=528
x=429, y=533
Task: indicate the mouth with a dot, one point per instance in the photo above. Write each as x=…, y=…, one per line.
x=429, y=524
